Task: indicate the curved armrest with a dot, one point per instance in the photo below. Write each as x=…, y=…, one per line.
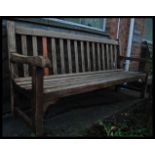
x=135, y=59
x=38, y=61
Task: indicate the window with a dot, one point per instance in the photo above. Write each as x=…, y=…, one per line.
x=94, y=23
x=148, y=26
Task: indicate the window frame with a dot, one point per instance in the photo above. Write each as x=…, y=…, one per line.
x=79, y=25
x=55, y=23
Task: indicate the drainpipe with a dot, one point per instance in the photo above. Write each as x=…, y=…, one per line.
x=130, y=38
x=118, y=28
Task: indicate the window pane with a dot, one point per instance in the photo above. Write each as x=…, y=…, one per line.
x=74, y=20
x=91, y=22
x=148, y=29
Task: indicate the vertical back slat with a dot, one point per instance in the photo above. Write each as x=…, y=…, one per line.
x=45, y=53
x=12, y=46
x=88, y=56
x=119, y=52
x=24, y=52
x=69, y=56
x=103, y=57
x=98, y=56
x=62, y=56
x=107, y=54
x=115, y=56
x=112, y=56
x=54, y=58
x=34, y=45
x=82, y=56
x=94, y=58
x=76, y=57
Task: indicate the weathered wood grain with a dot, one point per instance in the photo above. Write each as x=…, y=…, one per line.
x=94, y=57
x=135, y=59
x=119, y=49
x=107, y=56
x=88, y=56
x=115, y=56
x=37, y=100
x=34, y=46
x=25, y=79
x=82, y=56
x=62, y=56
x=39, y=61
x=45, y=53
x=24, y=52
x=54, y=57
x=69, y=56
x=111, y=57
x=70, y=81
x=55, y=34
x=11, y=39
x=98, y=56
x=24, y=116
x=103, y=57
x=76, y=57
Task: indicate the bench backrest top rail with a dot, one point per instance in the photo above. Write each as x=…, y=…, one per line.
x=63, y=35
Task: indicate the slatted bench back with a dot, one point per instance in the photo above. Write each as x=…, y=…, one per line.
x=68, y=52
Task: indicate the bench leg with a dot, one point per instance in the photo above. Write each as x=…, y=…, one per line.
x=150, y=92
x=144, y=88
x=37, y=100
x=38, y=119
x=117, y=88
x=144, y=91
x=12, y=99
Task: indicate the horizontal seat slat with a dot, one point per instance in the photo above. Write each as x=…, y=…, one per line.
x=69, y=82
x=24, y=79
x=68, y=79
x=100, y=82
x=80, y=82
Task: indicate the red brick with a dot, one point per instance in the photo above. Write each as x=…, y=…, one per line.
x=111, y=28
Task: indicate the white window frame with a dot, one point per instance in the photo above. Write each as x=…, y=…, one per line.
x=80, y=25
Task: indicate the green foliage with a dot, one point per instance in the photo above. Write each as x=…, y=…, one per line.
x=121, y=130
x=135, y=123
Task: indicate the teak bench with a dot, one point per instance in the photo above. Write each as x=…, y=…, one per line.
x=60, y=64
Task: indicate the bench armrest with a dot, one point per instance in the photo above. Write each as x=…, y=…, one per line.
x=135, y=59
x=38, y=61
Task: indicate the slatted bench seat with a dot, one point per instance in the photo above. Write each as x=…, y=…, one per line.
x=46, y=65
x=78, y=82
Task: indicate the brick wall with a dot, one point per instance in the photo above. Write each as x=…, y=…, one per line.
x=111, y=28
x=137, y=39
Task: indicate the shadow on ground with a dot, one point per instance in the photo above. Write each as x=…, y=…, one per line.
x=74, y=116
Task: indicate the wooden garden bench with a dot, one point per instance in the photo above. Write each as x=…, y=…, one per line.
x=47, y=65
